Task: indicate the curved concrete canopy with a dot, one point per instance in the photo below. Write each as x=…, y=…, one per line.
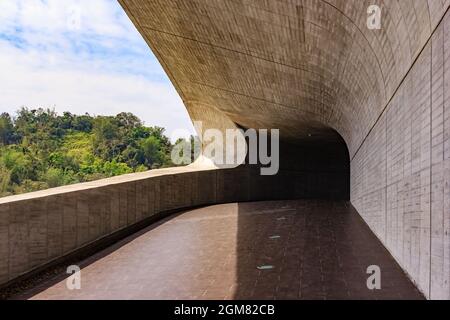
x=303, y=66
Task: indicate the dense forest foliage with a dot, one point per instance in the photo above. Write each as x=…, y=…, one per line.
x=41, y=149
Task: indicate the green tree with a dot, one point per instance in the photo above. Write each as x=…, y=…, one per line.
x=6, y=129
x=41, y=149
x=106, y=137
x=151, y=148
x=5, y=179
x=54, y=177
x=83, y=123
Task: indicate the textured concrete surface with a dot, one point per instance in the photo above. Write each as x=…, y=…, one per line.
x=302, y=66
x=308, y=67
x=401, y=175
x=312, y=69
x=318, y=250
x=37, y=228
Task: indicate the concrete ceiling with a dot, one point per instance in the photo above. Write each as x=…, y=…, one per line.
x=303, y=66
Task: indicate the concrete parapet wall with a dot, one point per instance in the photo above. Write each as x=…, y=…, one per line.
x=39, y=227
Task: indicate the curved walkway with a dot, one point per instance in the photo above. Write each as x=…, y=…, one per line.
x=263, y=250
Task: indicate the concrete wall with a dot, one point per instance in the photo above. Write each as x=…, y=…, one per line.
x=267, y=70
x=400, y=177
x=37, y=228
x=303, y=66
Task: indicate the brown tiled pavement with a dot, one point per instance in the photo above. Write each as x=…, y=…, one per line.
x=317, y=250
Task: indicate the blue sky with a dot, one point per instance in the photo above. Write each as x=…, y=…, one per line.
x=82, y=56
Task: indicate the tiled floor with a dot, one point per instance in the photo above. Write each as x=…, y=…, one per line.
x=264, y=250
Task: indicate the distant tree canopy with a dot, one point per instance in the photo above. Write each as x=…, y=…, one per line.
x=40, y=149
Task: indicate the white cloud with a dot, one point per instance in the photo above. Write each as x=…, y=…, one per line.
x=95, y=16
x=104, y=67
